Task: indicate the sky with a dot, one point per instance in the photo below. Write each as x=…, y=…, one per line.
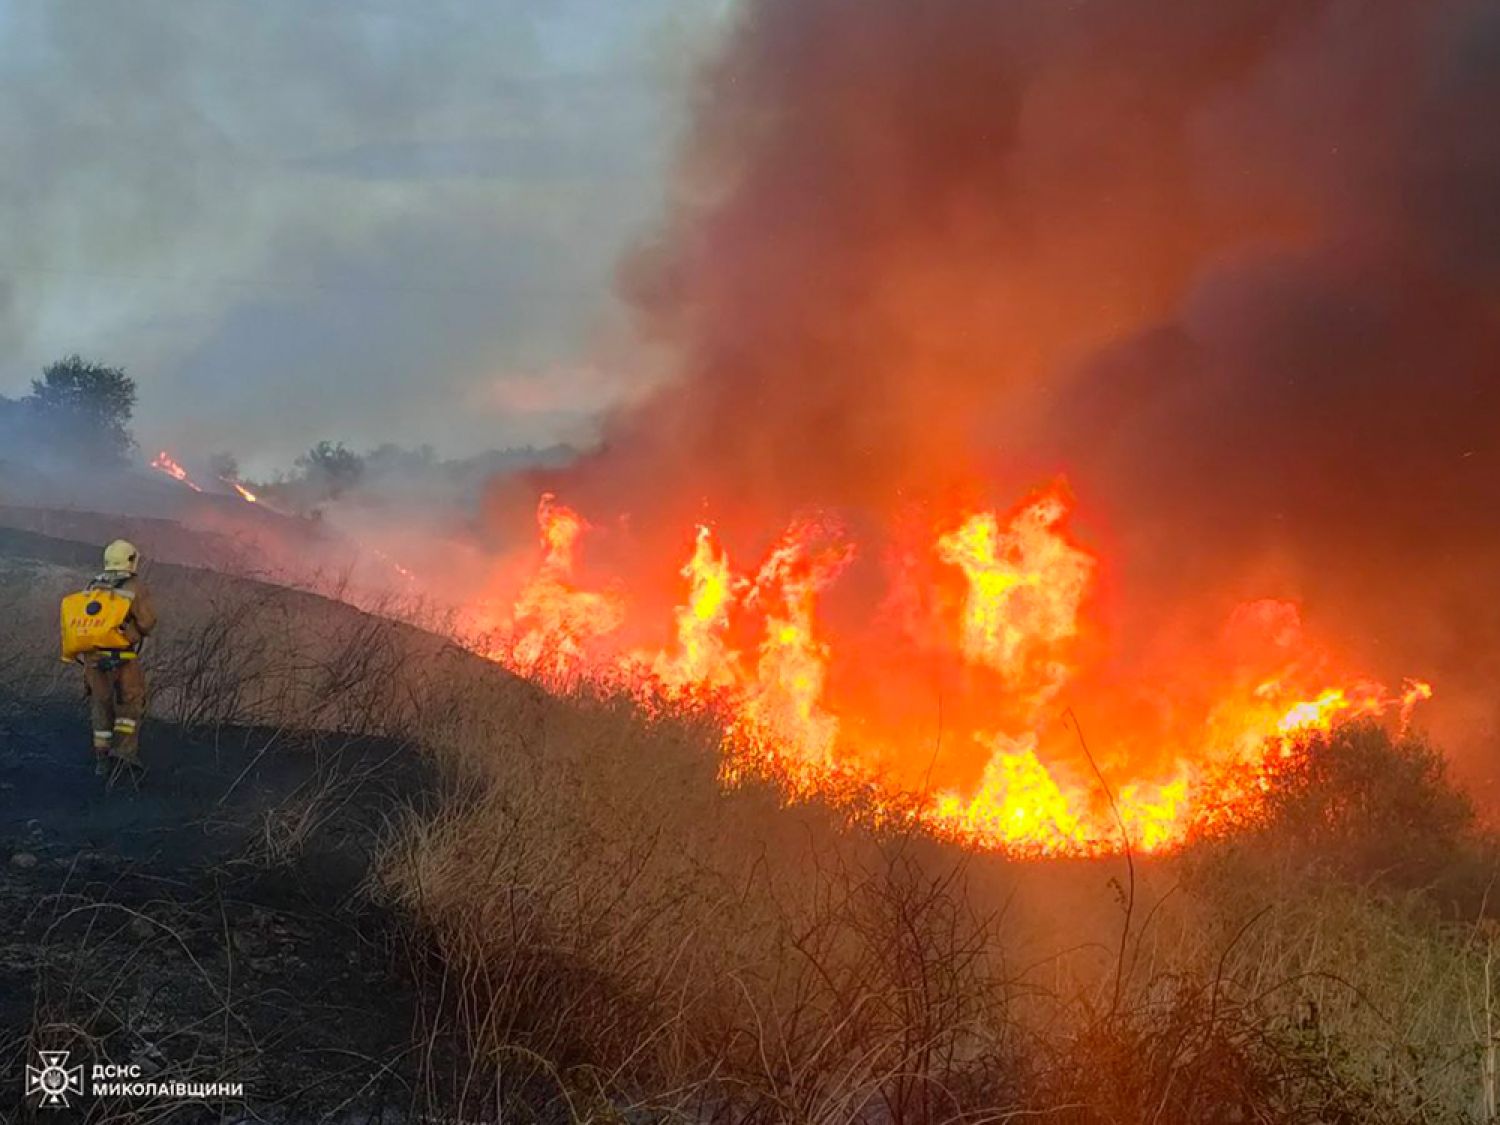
x=361, y=220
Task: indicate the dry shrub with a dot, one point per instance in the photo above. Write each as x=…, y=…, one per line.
x=604, y=904
x=1339, y=1008
x=29, y=664
x=1357, y=805
x=617, y=931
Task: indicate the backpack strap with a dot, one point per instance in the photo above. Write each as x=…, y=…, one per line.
x=115, y=582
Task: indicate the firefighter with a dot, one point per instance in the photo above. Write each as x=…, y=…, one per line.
x=113, y=676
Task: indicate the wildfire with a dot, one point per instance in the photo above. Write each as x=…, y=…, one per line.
x=784, y=702
x=702, y=659
x=244, y=493
x=752, y=645
x=1027, y=582
x=555, y=622
x=163, y=462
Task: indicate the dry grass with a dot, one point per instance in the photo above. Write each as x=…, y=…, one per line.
x=234, y=653
x=657, y=940
x=618, y=936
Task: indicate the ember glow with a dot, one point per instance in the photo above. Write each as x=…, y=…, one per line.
x=1000, y=636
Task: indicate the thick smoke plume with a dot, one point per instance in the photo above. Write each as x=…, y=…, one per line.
x=1233, y=268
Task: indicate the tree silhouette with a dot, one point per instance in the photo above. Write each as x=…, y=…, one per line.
x=84, y=409
x=331, y=468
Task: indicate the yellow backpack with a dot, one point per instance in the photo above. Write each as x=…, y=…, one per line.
x=93, y=620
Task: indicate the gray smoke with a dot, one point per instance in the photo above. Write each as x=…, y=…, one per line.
x=356, y=220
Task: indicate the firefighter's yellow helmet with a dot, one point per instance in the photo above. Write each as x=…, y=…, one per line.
x=122, y=557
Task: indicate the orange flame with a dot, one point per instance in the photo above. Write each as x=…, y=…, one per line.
x=784, y=704
x=703, y=660
x=554, y=623
x=244, y=493
x=163, y=462
x=1027, y=583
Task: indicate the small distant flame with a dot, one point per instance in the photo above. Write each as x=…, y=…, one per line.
x=244, y=493
x=165, y=463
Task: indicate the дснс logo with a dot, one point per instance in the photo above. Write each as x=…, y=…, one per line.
x=54, y=1079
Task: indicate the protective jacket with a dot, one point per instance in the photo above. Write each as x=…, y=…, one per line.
x=115, y=681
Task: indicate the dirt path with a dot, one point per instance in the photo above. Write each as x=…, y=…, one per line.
x=210, y=926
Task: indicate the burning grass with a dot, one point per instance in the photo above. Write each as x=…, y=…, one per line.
x=615, y=929
x=943, y=703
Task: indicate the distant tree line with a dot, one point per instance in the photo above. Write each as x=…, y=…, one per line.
x=80, y=412
x=332, y=470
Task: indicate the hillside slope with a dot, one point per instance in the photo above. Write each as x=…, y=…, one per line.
x=215, y=922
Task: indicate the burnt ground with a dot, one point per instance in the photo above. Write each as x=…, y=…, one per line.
x=214, y=924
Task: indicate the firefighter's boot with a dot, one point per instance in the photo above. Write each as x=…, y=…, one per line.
x=104, y=741
x=127, y=746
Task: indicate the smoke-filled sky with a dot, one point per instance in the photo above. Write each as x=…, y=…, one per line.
x=905, y=226
x=1234, y=267
x=364, y=220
